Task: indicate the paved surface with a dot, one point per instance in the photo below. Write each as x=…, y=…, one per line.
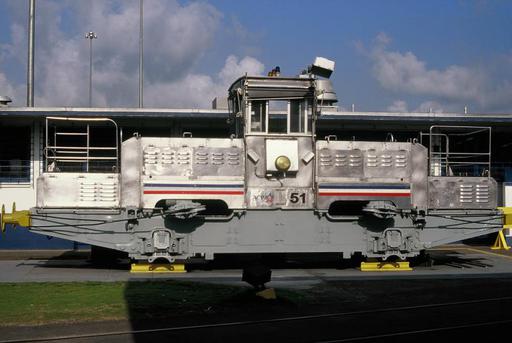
x=448, y=262
x=473, y=283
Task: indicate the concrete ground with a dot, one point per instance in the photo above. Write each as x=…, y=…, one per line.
x=452, y=261
x=473, y=283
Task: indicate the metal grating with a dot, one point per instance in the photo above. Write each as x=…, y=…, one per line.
x=98, y=191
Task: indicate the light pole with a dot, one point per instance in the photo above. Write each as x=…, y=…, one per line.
x=90, y=35
x=141, y=54
x=31, y=51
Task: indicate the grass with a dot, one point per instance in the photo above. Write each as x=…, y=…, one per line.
x=174, y=301
x=43, y=303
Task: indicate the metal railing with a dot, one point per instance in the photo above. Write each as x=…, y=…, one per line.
x=445, y=160
x=80, y=157
x=502, y=171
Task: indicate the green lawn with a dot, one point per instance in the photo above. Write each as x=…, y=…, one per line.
x=40, y=303
x=171, y=301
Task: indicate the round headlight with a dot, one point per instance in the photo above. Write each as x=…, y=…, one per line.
x=283, y=163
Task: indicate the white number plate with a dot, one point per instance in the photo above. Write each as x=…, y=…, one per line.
x=297, y=198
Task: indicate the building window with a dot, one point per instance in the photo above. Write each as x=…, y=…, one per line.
x=15, y=149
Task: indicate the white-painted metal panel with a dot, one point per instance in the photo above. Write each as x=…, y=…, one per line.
x=23, y=195
x=78, y=190
x=282, y=147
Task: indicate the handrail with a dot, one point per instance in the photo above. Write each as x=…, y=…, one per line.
x=444, y=160
x=55, y=153
x=79, y=147
x=86, y=158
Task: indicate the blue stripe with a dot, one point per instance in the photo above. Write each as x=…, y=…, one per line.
x=363, y=186
x=192, y=185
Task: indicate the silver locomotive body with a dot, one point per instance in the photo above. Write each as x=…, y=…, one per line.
x=271, y=187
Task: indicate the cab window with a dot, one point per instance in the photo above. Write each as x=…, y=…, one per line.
x=277, y=117
x=258, y=116
x=297, y=113
x=280, y=116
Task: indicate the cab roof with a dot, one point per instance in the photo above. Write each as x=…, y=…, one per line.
x=273, y=87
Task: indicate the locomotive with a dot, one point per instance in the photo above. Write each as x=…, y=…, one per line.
x=273, y=186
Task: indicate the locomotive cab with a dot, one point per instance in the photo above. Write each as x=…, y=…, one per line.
x=276, y=117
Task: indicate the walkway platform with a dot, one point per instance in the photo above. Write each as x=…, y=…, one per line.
x=452, y=261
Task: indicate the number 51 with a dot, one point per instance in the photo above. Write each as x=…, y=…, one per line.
x=296, y=197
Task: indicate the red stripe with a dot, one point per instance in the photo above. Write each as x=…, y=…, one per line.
x=344, y=194
x=197, y=192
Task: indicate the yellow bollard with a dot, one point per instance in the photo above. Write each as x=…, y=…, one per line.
x=501, y=242
x=15, y=218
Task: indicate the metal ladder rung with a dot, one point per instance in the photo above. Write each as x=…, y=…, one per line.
x=71, y=161
x=83, y=153
x=71, y=133
x=101, y=148
x=71, y=152
x=83, y=158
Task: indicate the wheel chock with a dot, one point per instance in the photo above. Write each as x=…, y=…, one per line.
x=157, y=268
x=268, y=294
x=385, y=266
x=501, y=242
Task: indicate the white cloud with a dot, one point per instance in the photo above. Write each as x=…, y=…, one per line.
x=233, y=68
x=431, y=106
x=198, y=90
x=17, y=94
x=454, y=85
x=398, y=106
x=382, y=39
x=176, y=37
x=405, y=72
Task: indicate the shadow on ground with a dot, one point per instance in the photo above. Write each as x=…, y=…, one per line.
x=485, y=240
x=457, y=260
x=83, y=260
x=164, y=304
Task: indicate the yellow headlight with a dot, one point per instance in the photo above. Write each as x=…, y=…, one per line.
x=283, y=163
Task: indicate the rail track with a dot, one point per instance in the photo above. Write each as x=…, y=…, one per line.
x=371, y=337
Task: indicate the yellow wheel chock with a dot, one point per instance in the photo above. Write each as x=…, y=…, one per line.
x=268, y=294
x=501, y=242
x=21, y=218
x=145, y=267
x=385, y=266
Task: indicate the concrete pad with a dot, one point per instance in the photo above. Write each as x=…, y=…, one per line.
x=457, y=261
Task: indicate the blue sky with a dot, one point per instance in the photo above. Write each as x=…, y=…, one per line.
x=390, y=55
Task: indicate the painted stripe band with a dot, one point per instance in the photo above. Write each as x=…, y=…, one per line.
x=361, y=194
x=192, y=185
x=363, y=186
x=198, y=192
